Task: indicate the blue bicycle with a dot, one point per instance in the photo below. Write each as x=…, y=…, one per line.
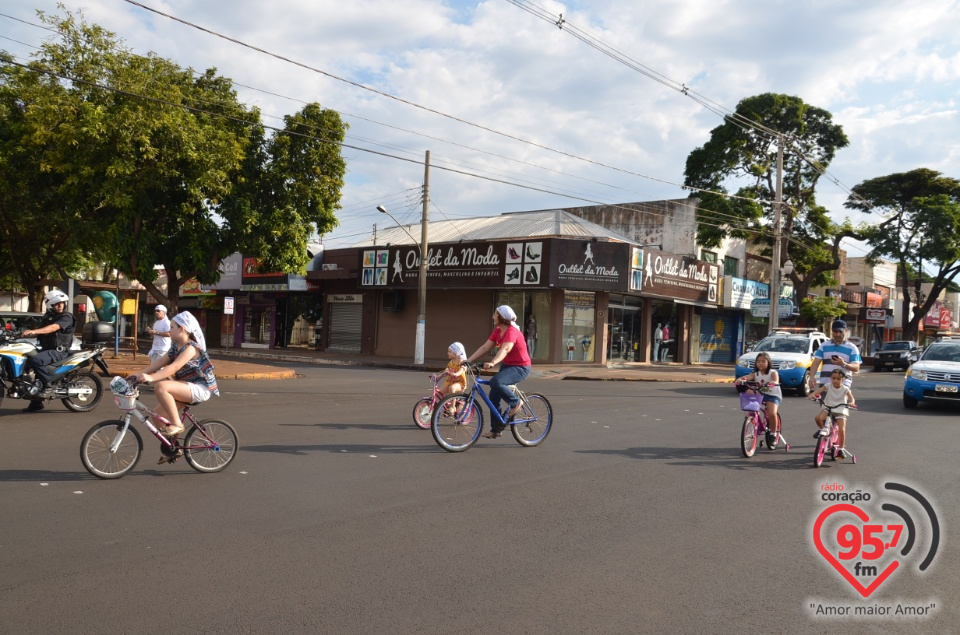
x=458, y=418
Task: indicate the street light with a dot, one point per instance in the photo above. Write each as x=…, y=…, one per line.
x=422, y=283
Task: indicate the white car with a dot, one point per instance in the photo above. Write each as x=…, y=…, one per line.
x=791, y=354
x=935, y=376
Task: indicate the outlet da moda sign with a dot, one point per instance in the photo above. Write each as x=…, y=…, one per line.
x=532, y=264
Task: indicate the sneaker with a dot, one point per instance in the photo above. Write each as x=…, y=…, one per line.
x=35, y=406
x=842, y=453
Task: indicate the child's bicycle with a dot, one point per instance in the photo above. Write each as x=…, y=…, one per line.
x=828, y=436
x=112, y=448
x=755, y=421
x=455, y=429
x=423, y=410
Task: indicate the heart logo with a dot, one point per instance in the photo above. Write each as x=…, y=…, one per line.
x=829, y=557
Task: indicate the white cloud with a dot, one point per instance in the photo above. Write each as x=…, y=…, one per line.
x=888, y=70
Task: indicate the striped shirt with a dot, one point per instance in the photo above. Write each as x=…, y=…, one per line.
x=846, y=351
x=198, y=370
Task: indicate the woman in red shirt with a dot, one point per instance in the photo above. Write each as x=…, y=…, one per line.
x=514, y=369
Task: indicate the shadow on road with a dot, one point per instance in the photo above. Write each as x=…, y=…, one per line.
x=306, y=450
x=731, y=458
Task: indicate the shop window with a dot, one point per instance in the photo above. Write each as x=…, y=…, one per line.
x=533, y=318
x=579, y=326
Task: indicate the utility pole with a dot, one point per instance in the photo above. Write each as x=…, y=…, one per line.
x=777, y=238
x=424, y=255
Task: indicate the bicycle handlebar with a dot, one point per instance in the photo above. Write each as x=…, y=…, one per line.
x=820, y=401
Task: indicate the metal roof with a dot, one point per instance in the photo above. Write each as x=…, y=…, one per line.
x=544, y=224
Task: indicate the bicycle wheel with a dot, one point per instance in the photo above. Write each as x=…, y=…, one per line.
x=456, y=432
x=423, y=413
x=534, y=421
x=748, y=436
x=819, y=451
x=95, y=451
x=83, y=403
x=213, y=448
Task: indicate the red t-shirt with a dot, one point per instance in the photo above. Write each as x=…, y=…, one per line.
x=518, y=355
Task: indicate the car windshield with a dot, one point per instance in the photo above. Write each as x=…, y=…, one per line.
x=897, y=346
x=783, y=345
x=943, y=353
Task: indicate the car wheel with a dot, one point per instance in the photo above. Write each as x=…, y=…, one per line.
x=909, y=402
x=804, y=388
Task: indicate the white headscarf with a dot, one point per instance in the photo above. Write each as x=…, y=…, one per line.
x=508, y=314
x=459, y=351
x=191, y=326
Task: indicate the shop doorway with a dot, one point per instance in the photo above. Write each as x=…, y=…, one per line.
x=623, y=329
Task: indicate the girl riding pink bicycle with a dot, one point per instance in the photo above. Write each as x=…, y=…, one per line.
x=769, y=382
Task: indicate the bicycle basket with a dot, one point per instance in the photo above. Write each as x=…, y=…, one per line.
x=751, y=401
x=127, y=402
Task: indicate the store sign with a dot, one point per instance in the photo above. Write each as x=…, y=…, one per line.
x=867, y=315
x=761, y=308
x=590, y=265
x=739, y=293
x=682, y=277
x=528, y=264
x=191, y=287
x=934, y=315
x=353, y=298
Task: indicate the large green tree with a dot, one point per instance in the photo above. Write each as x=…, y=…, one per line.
x=167, y=168
x=919, y=230
x=42, y=231
x=740, y=159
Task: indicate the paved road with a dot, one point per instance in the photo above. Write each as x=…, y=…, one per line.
x=638, y=514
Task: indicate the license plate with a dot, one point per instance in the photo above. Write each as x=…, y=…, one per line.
x=888, y=363
x=946, y=388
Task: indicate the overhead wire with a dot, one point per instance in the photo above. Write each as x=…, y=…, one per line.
x=731, y=116
x=570, y=195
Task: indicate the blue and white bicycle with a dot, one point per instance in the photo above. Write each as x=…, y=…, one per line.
x=458, y=418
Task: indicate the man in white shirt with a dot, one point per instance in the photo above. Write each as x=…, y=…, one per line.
x=160, y=333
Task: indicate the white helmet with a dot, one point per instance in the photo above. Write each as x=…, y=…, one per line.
x=55, y=296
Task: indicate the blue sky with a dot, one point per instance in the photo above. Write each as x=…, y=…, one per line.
x=889, y=72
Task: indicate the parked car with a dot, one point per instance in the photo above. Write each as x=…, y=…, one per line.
x=935, y=376
x=19, y=320
x=791, y=354
x=895, y=354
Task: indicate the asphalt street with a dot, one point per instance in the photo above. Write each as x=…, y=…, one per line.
x=637, y=514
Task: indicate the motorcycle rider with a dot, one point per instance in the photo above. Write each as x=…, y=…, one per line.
x=55, y=337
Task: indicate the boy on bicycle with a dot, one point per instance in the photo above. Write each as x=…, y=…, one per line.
x=835, y=394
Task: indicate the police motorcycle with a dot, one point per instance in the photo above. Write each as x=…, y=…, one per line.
x=73, y=379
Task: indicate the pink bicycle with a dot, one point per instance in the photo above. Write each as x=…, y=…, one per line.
x=755, y=422
x=828, y=437
x=423, y=410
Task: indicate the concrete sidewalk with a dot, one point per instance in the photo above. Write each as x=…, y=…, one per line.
x=270, y=364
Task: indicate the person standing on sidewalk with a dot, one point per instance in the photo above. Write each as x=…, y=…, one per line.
x=515, y=368
x=160, y=333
